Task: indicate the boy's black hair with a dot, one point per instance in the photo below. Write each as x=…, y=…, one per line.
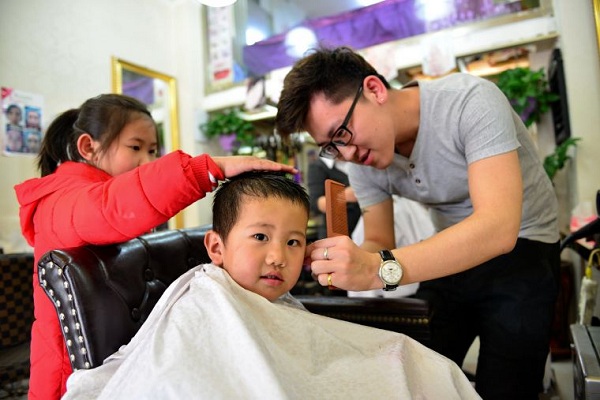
x=231, y=193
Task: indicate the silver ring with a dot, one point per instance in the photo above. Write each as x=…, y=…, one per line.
x=325, y=253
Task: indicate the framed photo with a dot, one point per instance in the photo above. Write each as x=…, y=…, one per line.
x=21, y=122
x=597, y=17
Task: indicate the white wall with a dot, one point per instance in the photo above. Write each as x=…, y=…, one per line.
x=62, y=50
x=582, y=70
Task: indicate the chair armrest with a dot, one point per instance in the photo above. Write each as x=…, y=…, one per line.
x=409, y=316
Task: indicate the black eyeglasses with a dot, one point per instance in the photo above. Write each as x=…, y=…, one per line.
x=342, y=135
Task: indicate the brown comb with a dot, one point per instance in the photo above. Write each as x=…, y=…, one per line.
x=335, y=209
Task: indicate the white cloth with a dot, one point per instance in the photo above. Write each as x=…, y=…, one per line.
x=337, y=164
x=208, y=338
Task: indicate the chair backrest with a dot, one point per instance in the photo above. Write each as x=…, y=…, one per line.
x=16, y=315
x=103, y=294
x=405, y=315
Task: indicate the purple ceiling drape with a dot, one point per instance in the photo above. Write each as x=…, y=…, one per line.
x=382, y=22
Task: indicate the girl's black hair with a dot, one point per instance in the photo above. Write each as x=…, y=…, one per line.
x=102, y=117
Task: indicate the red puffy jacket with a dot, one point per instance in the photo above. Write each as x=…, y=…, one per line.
x=79, y=205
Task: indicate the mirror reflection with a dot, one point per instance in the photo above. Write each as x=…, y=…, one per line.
x=254, y=37
x=253, y=21
x=158, y=91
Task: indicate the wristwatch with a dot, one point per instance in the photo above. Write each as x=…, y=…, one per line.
x=390, y=270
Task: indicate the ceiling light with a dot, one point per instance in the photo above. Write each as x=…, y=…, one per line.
x=217, y=3
x=299, y=40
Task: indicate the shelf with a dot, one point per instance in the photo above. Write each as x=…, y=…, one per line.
x=264, y=112
x=489, y=63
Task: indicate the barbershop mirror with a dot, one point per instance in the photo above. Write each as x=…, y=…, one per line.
x=597, y=17
x=159, y=92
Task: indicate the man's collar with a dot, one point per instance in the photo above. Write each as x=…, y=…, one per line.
x=329, y=162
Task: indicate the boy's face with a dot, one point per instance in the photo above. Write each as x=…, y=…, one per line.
x=264, y=251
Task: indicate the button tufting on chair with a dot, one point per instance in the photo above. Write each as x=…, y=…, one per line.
x=124, y=281
x=136, y=314
x=148, y=275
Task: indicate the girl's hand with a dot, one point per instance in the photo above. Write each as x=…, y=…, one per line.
x=235, y=165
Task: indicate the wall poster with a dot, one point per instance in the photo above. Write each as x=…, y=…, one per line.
x=21, y=122
x=220, y=51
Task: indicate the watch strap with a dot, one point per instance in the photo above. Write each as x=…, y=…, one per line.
x=386, y=255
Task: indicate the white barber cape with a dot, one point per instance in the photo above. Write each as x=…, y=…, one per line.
x=208, y=338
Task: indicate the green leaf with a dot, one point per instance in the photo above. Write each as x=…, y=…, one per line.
x=521, y=84
x=556, y=161
x=227, y=122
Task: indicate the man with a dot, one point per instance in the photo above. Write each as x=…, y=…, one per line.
x=455, y=145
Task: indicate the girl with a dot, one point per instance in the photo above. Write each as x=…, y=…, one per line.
x=102, y=183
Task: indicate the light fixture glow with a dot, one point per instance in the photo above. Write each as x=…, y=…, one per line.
x=254, y=34
x=217, y=3
x=298, y=41
x=366, y=3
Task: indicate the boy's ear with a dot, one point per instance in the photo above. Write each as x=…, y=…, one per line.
x=86, y=146
x=214, y=247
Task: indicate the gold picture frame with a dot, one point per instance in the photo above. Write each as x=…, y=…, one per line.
x=597, y=18
x=159, y=93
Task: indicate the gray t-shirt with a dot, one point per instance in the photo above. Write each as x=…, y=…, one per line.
x=463, y=119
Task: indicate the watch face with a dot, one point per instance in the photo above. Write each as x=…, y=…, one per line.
x=391, y=273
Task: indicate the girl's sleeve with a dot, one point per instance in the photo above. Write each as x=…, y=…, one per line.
x=133, y=203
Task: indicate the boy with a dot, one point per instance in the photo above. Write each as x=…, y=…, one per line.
x=213, y=334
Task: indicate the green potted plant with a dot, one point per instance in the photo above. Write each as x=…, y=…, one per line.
x=527, y=91
x=233, y=131
x=556, y=161
x=529, y=94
